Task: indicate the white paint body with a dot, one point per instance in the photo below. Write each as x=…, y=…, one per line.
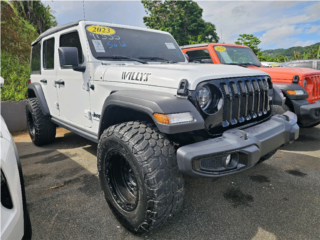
x=12, y=221
x=76, y=98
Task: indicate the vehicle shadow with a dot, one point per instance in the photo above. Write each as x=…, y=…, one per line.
x=309, y=140
x=272, y=200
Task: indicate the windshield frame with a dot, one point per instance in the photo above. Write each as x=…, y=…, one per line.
x=99, y=56
x=222, y=61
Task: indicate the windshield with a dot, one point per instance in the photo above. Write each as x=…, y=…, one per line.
x=151, y=46
x=236, y=55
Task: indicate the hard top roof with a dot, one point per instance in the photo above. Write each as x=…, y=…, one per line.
x=54, y=30
x=304, y=60
x=69, y=25
x=207, y=44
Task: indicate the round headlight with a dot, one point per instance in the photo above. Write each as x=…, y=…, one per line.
x=305, y=83
x=204, y=97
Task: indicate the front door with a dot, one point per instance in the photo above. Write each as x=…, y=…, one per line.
x=74, y=98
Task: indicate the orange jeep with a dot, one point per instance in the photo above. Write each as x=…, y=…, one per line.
x=301, y=86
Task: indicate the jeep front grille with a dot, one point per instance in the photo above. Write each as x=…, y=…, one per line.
x=316, y=88
x=244, y=99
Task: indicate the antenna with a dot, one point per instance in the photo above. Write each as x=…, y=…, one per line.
x=84, y=13
x=221, y=36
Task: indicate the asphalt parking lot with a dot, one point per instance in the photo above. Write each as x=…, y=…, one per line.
x=279, y=199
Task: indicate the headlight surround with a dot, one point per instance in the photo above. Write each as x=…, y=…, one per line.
x=305, y=83
x=209, y=98
x=204, y=97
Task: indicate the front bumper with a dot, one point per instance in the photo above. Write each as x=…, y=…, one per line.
x=308, y=113
x=246, y=147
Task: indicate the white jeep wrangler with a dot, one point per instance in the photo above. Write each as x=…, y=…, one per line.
x=153, y=114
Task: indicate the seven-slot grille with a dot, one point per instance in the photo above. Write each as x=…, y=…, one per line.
x=316, y=87
x=244, y=99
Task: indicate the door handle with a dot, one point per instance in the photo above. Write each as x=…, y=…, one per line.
x=43, y=80
x=59, y=82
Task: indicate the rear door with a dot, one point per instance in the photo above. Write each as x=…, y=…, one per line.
x=74, y=97
x=48, y=75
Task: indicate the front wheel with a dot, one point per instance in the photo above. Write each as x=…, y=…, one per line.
x=41, y=130
x=139, y=175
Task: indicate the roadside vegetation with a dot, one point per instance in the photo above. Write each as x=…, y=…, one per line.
x=279, y=55
x=17, y=34
x=182, y=19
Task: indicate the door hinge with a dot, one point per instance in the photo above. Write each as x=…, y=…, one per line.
x=57, y=105
x=85, y=86
x=87, y=114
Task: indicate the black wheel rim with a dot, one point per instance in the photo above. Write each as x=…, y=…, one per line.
x=31, y=128
x=121, y=181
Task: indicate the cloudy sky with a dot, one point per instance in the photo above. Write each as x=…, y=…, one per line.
x=278, y=24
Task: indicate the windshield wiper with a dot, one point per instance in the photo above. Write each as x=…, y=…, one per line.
x=155, y=58
x=123, y=57
x=243, y=64
x=252, y=64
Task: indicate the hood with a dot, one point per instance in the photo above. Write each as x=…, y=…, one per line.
x=284, y=73
x=169, y=75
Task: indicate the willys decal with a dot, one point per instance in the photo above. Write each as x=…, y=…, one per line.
x=136, y=76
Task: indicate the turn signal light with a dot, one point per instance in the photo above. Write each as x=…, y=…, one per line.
x=161, y=118
x=295, y=92
x=173, y=118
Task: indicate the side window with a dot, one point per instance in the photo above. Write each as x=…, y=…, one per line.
x=307, y=64
x=318, y=65
x=35, y=59
x=48, y=54
x=200, y=56
x=72, y=40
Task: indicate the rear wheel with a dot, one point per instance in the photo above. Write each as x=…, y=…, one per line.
x=41, y=130
x=139, y=175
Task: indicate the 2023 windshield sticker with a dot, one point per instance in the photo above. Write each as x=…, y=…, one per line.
x=101, y=30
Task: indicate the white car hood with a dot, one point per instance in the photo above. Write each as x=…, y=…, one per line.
x=169, y=75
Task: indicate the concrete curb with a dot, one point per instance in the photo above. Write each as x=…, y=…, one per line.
x=14, y=115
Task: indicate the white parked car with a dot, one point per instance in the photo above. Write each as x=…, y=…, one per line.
x=153, y=114
x=15, y=221
x=274, y=64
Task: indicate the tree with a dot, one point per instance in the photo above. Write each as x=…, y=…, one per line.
x=251, y=41
x=36, y=13
x=183, y=19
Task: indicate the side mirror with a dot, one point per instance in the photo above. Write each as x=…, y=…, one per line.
x=69, y=57
x=186, y=56
x=1, y=82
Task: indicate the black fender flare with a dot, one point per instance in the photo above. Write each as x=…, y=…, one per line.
x=292, y=86
x=150, y=102
x=38, y=93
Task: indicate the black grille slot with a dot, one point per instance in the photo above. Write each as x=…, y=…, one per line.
x=244, y=100
x=256, y=88
x=251, y=100
x=267, y=86
x=227, y=108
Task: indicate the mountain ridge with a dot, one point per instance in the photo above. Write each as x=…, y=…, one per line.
x=288, y=52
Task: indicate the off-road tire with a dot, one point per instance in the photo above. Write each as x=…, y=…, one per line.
x=152, y=157
x=266, y=157
x=41, y=130
x=310, y=126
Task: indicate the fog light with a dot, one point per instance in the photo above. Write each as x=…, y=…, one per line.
x=317, y=113
x=228, y=160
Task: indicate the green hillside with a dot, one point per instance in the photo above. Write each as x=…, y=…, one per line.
x=288, y=52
